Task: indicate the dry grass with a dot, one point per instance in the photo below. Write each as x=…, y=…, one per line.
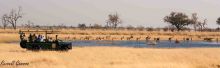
x=113, y=57
x=9, y=37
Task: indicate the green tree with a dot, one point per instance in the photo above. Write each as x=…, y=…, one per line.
x=177, y=19
x=82, y=26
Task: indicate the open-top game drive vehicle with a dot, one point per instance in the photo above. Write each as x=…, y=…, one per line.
x=41, y=42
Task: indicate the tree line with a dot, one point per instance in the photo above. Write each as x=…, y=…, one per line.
x=177, y=21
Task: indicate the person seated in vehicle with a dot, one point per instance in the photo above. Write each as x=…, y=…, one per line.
x=42, y=38
x=46, y=40
x=30, y=38
x=56, y=39
x=34, y=37
x=22, y=36
x=39, y=37
x=50, y=39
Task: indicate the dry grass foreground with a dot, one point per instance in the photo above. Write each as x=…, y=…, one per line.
x=113, y=57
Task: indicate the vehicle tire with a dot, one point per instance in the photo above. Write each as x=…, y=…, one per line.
x=23, y=44
x=63, y=48
x=69, y=47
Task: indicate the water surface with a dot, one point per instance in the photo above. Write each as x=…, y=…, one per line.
x=146, y=44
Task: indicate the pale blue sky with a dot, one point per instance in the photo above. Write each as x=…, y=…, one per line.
x=133, y=12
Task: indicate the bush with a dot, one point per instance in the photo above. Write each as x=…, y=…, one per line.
x=140, y=28
x=130, y=27
x=150, y=29
x=96, y=26
x=82, y=26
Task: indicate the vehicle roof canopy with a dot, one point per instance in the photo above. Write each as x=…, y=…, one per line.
x=39, y=31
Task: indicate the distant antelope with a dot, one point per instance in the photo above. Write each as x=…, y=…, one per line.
x=187, y=39
x=138, y=38
x=177, y=41
x=208, y=39
x=81, y=38
x=102, y=38
x=129, y=38
x=170, y=38
x=98, y=38
x=113, y=38
x=74, y=38
x=147, y=38
x=68, y=37
x=200, y=37
x=87, y=38
x=157, y=39
x=132, y=36
x=107, y=37
x=122, y=37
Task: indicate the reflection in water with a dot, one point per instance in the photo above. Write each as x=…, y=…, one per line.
x=148, y=44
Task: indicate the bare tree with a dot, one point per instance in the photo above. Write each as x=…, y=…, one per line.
x=113, y=20
x=29, y=24
x=4, y=21
x=198, y=24
x=218, y=21
x=194, y=21
x=108, y=24
x=202, y=24
x=13, y=17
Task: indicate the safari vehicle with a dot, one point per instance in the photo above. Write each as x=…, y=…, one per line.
x=43, y=44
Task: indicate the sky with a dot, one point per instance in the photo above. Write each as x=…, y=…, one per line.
x=147, y=13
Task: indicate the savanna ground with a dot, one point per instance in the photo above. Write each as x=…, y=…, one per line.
x=112, y=57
